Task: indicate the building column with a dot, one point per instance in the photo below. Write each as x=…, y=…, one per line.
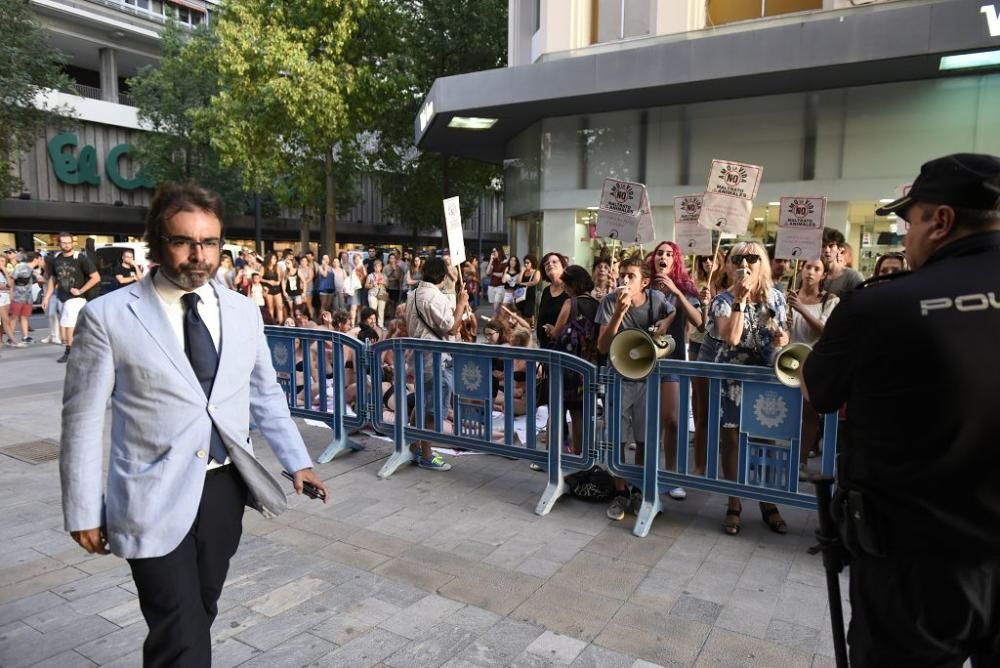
x=109, y=74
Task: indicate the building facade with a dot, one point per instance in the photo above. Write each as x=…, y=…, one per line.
x=837, y=98
x=80, y=177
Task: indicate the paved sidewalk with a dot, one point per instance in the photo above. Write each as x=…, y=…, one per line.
x=423, y=569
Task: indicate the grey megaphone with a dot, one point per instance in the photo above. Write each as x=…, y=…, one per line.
x=788, y=363
x=634, y=352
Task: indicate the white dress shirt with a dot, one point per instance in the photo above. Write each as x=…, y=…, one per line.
x=208, y=308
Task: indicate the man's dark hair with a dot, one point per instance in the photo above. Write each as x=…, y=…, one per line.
x=367, y=312
x=635, y=261
x=434, y=270
x=832, y=236
x=63, y=235
x=339, y=318
x=30, y=256
x=170, y=199
x=577, y=280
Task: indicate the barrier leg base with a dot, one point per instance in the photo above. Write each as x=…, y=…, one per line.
x=644, y=521
x=551, y=494
x=396, y=460
x=337, y=446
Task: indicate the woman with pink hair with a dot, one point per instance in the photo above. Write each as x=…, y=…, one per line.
x=666, y=267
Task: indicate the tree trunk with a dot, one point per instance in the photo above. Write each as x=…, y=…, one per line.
x=304, y=225
x=445, y=194
x=329, y=230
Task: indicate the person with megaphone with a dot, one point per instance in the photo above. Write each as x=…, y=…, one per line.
x=749, y=318
x=809, y=307
x=632, y=306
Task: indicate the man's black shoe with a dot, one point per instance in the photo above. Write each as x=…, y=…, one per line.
x=64, y=358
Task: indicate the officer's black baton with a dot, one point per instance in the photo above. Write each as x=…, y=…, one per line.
x=829, y=544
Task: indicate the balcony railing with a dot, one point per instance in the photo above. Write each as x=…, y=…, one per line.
x=94, y=93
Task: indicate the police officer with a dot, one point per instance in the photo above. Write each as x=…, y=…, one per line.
x=916, y=359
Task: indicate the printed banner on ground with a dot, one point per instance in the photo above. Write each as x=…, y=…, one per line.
x=725, y=213
x=623, y=212
x=800, y=228
x=734, y=178
x=453, y=223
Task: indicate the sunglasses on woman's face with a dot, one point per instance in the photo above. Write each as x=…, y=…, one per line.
x=750, y=259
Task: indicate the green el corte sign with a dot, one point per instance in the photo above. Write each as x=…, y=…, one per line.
x=76, y=169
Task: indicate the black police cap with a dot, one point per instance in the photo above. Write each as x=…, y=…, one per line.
x=962, y=181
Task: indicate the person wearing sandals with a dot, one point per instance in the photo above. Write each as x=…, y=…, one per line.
x=749, y=318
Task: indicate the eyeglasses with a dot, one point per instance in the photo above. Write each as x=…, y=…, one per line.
x=182, y=243
x=750, y=259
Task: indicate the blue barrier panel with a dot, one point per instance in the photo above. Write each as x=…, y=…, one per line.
x=317, y=384
x=769, y=437
x=422, y=369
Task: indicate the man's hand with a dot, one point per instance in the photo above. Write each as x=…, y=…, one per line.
x=45, y=304
x=623, y=300
x=76, y=292
x=94, y=541
x=308, y=475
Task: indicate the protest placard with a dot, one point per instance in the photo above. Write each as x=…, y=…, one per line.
x=800, y=228
x=624, y=213
x=692, y=238
x=453, y=224
x=725, y=213
x=734, y=178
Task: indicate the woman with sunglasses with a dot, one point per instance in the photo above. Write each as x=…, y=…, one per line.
x=749, y=319
x=666, y=266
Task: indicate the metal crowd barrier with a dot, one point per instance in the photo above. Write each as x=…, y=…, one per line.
x=316, y=384
x=769, y=439
x=769, y=433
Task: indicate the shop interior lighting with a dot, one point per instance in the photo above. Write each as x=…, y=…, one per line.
x=472, y=123
x=970, y=61
x=774, y=203
x=885, y=200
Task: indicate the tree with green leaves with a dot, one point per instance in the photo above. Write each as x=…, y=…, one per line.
x=418, y=41
x=282, y=114
x=29, y=68
x=169, y=97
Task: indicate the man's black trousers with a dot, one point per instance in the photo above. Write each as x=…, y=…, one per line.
x=178, y=592
x=924, y=612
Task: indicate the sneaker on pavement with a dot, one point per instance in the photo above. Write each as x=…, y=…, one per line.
x=19, y=344
x=64, y=358
x=616, y=511
x=635, y=501
x=677, y=494
x=435, y=463
x=28, y=340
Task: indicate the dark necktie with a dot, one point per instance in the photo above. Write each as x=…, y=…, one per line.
x=200, y=350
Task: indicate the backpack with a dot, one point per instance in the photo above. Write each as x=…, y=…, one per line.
x=593, y=485
x=579, y=336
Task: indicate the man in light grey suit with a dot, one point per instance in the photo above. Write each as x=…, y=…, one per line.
x=185, y=364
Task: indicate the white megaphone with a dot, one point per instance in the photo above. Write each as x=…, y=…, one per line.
x=788, y=363
x=634, y=352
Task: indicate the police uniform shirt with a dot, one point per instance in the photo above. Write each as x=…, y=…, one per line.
x=917, y=358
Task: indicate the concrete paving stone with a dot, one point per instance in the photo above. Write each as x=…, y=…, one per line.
x=114, y=645
x=15, y=635
x=713, y=582
x=95, y=565
x=792, y=635
x=25, y=652
x=748, y=611
x=445, y=562
x=676, y=644
x=472, y=618
x=377, y=542
x=414, y=621
x=696, y=610
x=499, y=646
x=657, y=592
x=400, y=594
x=355, y=621
x=597, y=657
x=296, y=592
x=354, y=556
x=601, y=575
x=570, y=611
x=563, y=545
x=31, y=564
x=53, y=618
x=825, y=662
x=301, y=541
x=491, y=588
x=258, y=525
x=764, y=571
x=413, y=573
x=294, y=621
x=556, y=648
x=367, y=650
x=646, y=551
x=297, y=651
x=513, y=552
x=94, y=583
x=801, y=604
x=433, y=648
x=227, y=653
x=338, y=573
x=326, y=527
x=124, y=614
x=539, y=568
x=102, y=600
x=642, y=663
x=234, y=621
x=473, y=549
x=65, y=660
x=725, y=649
x=27, y=606
x=612, y=540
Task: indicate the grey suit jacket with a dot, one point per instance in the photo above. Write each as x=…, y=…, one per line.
x=124, y=350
